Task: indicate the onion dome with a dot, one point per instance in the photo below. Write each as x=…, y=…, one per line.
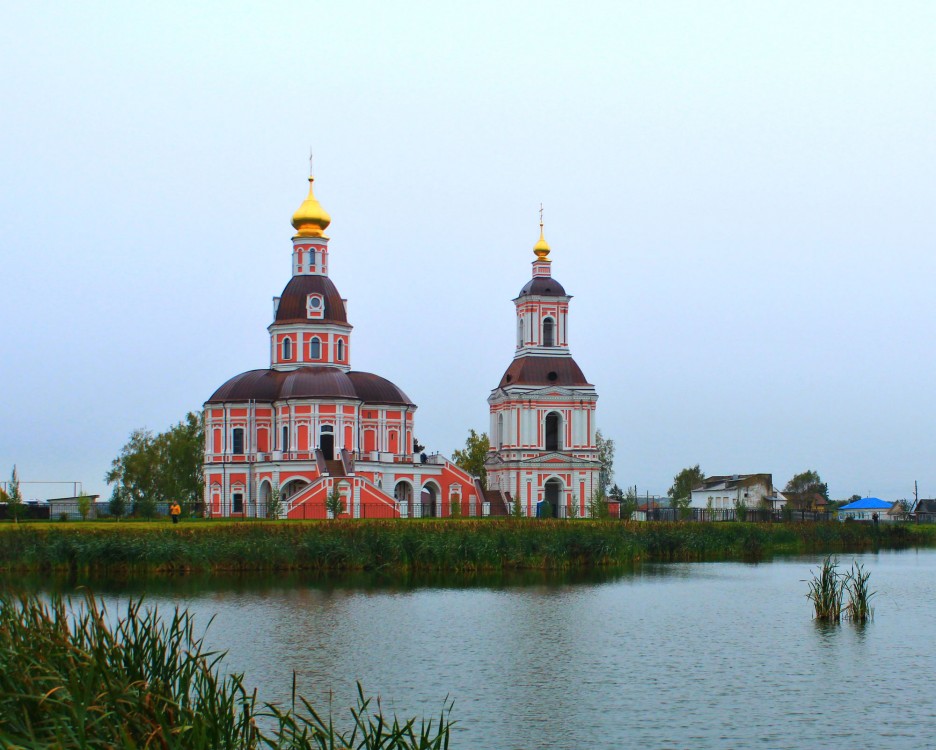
x=310, y=219
x=540, y=371
x=541, y=248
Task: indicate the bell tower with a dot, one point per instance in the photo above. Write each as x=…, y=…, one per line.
x=542, y=412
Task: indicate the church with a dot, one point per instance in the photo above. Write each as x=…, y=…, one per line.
x=283, y=440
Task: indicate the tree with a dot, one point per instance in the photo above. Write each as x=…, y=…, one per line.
x=334, y=504
x=84, y=505
x=740, y=509
x=14, y=497
x=606, y=458
x=516, y=509
x=807, y=483
x=683, y=484
x=118, y=503
x=472, y=458
x=598, y=504
x=628, y=502
x=275, y=505
x=455, y=507
x=157, y=468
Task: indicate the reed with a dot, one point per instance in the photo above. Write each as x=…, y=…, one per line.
x=419, y=545
x=858, y=609
x=825, y=592
x=74, y=677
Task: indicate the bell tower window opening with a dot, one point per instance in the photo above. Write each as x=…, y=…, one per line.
x=553, y=428
x=237, y=441
x=315, y=348
x=549, y=328
x=340, y=350
x=500, y=431
x=311, y=258
x=287, y=348
x=284, y=443
x=520, y=331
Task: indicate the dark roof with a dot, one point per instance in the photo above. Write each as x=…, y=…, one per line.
x=925, y=505
x=545, y=286
x=543, y=371
x=733, y=481
x=309, y=382
x=373, y=389
x=292, y=305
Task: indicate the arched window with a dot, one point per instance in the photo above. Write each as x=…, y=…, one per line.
x=548, y=332
x=287, y=348
x=284, y=444
x=311, y=258
x=519, y=331
x=553, y=428
x=341, y=350
x=500, y=430
x=237, y=440
x=315, y=348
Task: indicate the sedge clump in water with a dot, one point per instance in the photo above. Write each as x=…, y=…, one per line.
x=829, y=587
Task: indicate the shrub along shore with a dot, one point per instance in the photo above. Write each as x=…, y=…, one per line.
x=423, y=545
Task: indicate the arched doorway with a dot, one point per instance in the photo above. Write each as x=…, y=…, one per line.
x=429, y=498
x=327, y=442
x=553, y=431
x=552, y=498
x=403, y=494
x=264, y=495
x=291, y=488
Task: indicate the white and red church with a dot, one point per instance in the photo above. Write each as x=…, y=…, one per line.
x=309, y=425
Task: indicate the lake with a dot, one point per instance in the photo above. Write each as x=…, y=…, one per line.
x=695, y=655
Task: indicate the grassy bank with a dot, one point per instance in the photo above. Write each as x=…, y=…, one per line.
x=468, y=545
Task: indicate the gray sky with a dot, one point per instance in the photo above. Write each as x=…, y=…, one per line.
x=739, y=196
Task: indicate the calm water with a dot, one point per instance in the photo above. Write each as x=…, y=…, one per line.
x=718, y=655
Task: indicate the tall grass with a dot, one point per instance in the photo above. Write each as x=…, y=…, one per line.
x=859, y=607
x=829, y=587
x=73, y=677
x=420, y=545
x=825, y=592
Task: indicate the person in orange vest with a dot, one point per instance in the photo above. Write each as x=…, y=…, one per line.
x=175, y=511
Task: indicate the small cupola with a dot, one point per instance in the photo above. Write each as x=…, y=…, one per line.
x=310, y=219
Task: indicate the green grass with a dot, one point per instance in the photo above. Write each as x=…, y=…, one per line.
x=73, y=677
x=424, y=545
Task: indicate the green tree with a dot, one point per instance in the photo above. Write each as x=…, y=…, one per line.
x=14, y=497
x=807, y=483
x=84, y=505
x=472, y=458
x=158, y=468
x=334, y=503
x=516, y=509
x=598, y=504
x=740, y=509
x=118, y=503
x=628, y=502
x=275, y=505
x=606, y=458
x=681, y=492
x=455, y=507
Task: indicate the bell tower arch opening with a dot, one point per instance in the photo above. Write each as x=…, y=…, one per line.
x=553, y=431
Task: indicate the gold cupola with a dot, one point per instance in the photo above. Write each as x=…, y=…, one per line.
x=541, y=248
x=310, y=219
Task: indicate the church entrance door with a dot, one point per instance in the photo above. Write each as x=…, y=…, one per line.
x=327, y=443
x=552, y=497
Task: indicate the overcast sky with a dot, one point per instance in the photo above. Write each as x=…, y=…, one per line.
x=739, y=196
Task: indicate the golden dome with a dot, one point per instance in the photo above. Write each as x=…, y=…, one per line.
x=541, y=248
x=310, y=219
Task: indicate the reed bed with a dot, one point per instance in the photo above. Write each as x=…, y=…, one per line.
x=829, y=588
x=73, y=677
x=422, y=545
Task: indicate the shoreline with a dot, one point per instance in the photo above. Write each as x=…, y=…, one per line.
x=426, y=546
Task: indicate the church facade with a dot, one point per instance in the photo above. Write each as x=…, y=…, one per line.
x=285, y=438
x=543, y=454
